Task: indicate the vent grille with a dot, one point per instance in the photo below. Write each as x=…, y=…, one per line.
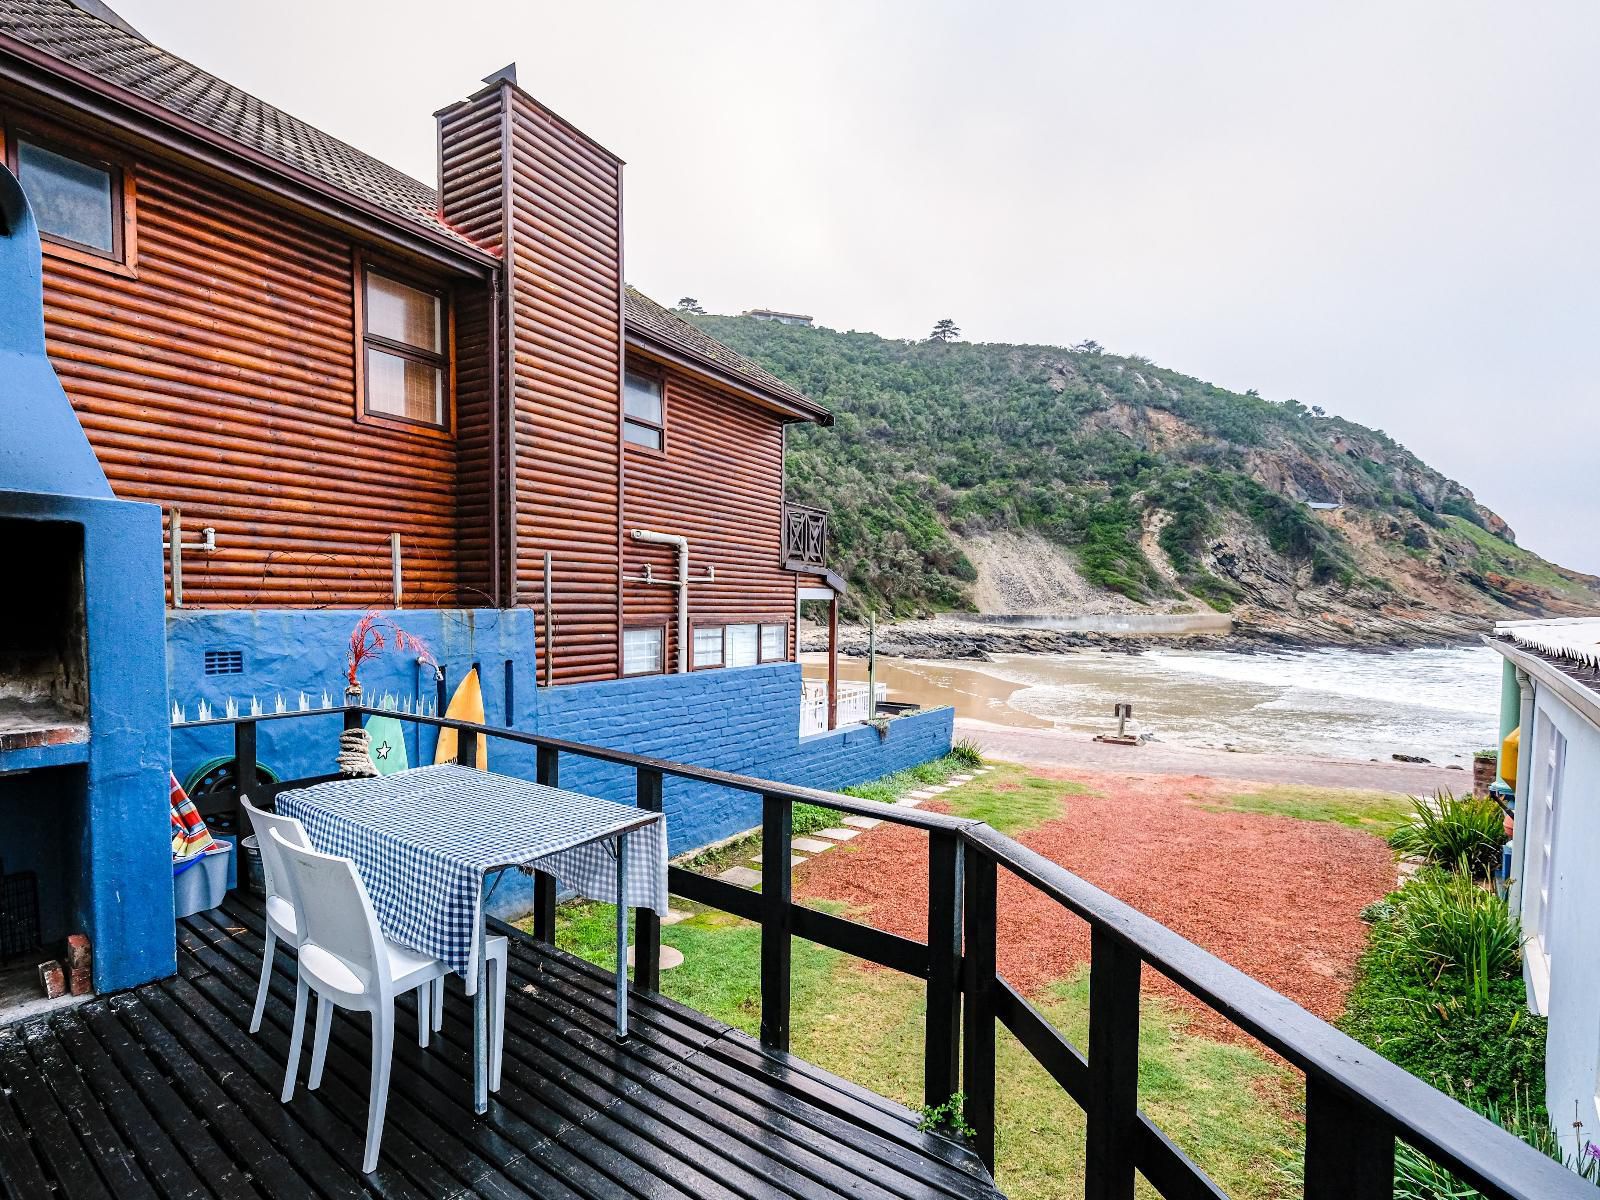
x=224, y=662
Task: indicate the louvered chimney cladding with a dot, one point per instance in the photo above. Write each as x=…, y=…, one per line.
x=520, y=180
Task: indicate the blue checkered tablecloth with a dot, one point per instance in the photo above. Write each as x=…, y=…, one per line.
x=424, y=841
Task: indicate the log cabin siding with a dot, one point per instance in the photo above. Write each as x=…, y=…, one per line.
x=563, y=246
x=719, y=483
x=221, y=379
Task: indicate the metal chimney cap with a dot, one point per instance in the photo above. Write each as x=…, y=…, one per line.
x=507, y=73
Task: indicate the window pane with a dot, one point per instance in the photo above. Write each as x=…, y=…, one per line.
x=403, y=314
x=70, y=199
x=774, y=642
x=641, y=651
x=642, y=435
x=641, y=397
x=708, y=646
x=403, y=388
x=742, y=644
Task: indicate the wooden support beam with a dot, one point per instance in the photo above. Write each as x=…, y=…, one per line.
x=647, y=922
x=978, y=1007
x=776, y=828
x=833, y=663
x=942, y=1041
x=1111, y=1104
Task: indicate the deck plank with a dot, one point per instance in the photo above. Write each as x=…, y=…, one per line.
x=161, y=1093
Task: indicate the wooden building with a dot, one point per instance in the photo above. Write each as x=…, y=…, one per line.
x=349, y=389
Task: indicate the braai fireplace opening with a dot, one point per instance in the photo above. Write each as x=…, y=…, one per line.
x=44, y=679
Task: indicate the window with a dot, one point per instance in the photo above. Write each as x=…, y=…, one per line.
x=774, y=643
x=643, y=418
x=741, y=645
x=707, y=646
x=642, y=650
x=76, y=199
x=405, y=363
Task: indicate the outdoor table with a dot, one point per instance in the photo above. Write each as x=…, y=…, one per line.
x=428, y=841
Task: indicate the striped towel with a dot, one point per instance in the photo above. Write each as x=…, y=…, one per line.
x=189, y=833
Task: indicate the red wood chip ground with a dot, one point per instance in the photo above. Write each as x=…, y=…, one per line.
x=1277, y=897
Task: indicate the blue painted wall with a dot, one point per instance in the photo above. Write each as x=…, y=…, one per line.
x=108, y=835
x=744, y=720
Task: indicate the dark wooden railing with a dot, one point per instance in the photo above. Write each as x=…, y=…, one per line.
x=805, y=536
x=1357, y=1103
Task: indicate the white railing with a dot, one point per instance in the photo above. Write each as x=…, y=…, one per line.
x=853, y=706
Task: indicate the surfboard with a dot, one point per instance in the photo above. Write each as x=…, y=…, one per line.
x=388, y=742
x=465, y=705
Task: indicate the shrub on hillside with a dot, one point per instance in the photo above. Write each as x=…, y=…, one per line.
x=1450, y=828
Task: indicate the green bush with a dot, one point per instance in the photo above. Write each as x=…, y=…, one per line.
x=1472, y=1036
x=1418, y=1177
x=965, y=751
x=1444, y=924
x=1450, y=828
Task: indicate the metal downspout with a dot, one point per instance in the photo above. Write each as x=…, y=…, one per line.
x=681, y=544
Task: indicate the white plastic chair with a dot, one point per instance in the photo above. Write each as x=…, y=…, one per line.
x=282, y=920
x=347, y=961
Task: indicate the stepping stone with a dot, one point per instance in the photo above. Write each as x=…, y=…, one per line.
x=741, y=877
x=674, y=916
x=671, y=957
x=939, y=789
x=908, y=802
x=861, y=822
x=794, y=859
x=960, y=779
x=838, y=835
x=922, y=794
x=811, y=845
x=983, y=770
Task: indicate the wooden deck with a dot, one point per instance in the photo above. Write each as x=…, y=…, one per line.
x=162, y=1092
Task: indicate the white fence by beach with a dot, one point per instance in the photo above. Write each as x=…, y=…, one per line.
x=853, y=706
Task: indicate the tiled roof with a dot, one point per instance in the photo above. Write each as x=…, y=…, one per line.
x=117, y=54
x=121, y=57
x=660, y=324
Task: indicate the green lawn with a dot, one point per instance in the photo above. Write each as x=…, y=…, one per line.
x=1012, y=800
x=1379, y=813
x=1227, y=1106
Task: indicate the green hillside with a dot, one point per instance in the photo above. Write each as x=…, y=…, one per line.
x=940, y=441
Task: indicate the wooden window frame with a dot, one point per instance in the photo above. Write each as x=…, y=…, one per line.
x=363, y=267
x=123, y=257
x=721, y=627
x=622, y=649
x=761, y=657
x=659, y=378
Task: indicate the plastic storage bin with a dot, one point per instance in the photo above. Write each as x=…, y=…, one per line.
x=202, y=882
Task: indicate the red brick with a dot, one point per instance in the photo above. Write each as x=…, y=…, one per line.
x=78, y=952
x=82, y=981
x=52, y=979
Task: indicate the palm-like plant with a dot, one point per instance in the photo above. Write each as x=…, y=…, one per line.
x=1450, y=828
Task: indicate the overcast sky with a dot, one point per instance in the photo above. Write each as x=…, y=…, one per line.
x=1387, y=209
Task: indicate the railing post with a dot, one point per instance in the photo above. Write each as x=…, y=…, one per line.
x=466, y=748
x=544, y=884
x=647, y=922
x=1112, y=1107
x=244, y=764
x=776, y=894
x=1349, y=1152
x=941, y=1072
x=978, y=987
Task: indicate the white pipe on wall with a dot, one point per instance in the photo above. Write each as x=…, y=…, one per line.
x=681, y=544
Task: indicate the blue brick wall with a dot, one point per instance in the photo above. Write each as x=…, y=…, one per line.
x=744, y=720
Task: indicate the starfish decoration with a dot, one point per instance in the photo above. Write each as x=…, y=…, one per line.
x=382, y=751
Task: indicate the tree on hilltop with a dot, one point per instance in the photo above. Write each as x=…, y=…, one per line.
x=1088, y=346
x=944, y=330
x=688, y=304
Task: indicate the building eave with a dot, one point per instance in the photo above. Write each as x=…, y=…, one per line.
x=81, y=91
x=667, y=351
x=1577, y=697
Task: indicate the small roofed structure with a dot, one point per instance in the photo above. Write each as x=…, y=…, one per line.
x=772, y=314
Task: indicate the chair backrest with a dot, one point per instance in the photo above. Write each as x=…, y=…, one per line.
x=262, y=823
x=334, y=910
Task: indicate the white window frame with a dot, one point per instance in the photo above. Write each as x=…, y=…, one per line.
x=705, y=634
x=781, y=628
x=660, y=654
x=1538, y=865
